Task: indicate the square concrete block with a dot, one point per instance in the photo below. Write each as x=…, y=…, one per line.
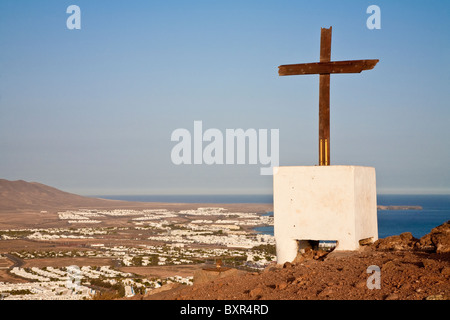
x=336, y=203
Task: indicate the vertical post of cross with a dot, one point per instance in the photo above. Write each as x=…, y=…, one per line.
x=324, y=100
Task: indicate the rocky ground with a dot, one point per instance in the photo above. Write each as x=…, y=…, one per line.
x=410, y=269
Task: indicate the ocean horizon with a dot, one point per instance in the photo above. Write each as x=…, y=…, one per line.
x=435, y=209
x=198, y=198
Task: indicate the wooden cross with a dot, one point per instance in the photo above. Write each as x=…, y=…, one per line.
x=324, y=68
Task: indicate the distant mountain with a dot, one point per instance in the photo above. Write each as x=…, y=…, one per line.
x=20, y=195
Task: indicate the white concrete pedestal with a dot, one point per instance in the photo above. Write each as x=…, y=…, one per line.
x=336, y=203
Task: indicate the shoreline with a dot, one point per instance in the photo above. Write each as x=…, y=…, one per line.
x=383, y=207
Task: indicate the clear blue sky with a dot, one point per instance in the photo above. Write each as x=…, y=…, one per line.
x=92, y=110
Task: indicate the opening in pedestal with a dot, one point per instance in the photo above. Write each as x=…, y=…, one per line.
x=324, y=245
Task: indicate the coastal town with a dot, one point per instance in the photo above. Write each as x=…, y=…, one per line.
x=125, y=252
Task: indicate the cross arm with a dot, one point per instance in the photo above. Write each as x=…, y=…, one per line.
x=349, y=66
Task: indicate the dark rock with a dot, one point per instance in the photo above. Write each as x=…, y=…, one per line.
x=361, y=284
x=256, y=292
x=438, y=240
x=404, y=241
x=208, y=275
x=430, y=263
x=282, y=286
x=392, y=296
x=445, y=271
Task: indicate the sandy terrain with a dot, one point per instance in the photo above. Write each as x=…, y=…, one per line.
x=5, y=276
x=30, y=245
x=5, y=263
x=65, y=262
x=162, y=272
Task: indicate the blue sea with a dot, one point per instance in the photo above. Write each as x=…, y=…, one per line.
x=436, y=209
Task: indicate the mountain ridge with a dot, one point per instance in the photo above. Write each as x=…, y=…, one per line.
x=20, y=194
